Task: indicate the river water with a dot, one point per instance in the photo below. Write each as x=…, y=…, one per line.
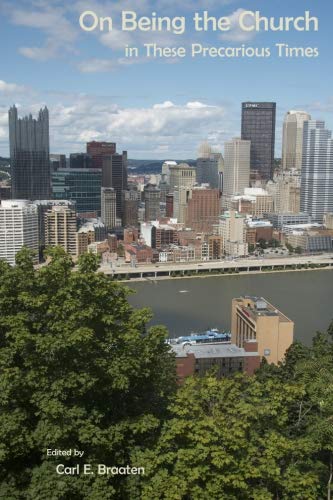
x=194, y=304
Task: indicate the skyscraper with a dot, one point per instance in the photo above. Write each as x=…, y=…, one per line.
x=152, y=197
x=29, y=155
x=292, y=142
x=99, y=150
x=108, y=207
x=209, y=165
x=317, y=170
x=115, y=176
x=236, y=167
x=18, y=228
x=131, y=198
x=258, y=126
x=182, y=180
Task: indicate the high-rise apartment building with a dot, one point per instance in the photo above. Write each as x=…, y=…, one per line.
x=108, y=207
x=254, y=319
x=60, y=228
x=99, y=150
x=317, y=171
x=292, y=141
x=30, y=155
x=18, y=228
x=203, y=209
x=236, y=167
x=115, y=176
x=44, y=206
x=258, y=126
x=152, y=198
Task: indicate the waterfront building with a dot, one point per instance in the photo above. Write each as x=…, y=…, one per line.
x=255, y=319
x=30, y=155
x=258, y=126
x=18, y=228
x=292, y=141
x=317, y=170
x=226, y=358
x=311, y=240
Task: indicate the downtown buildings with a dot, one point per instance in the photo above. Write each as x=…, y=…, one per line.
x=29, y=155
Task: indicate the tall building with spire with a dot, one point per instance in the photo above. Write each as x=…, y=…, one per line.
x=30, y=155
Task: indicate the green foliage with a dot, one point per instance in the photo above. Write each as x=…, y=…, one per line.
x=265, y=437
x=78, y=370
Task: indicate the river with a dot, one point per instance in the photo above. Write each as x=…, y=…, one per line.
x=194, y=304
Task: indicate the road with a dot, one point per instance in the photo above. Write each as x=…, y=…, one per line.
x=246, y=264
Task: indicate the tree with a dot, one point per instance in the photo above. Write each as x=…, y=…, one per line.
x=265, y=437
x=79, y=370
x=299, y=250
x=232, y=438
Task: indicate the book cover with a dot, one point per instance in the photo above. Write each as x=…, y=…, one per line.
x=166, y=250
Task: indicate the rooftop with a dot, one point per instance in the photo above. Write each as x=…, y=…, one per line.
x=255, y=307
x=204, y=351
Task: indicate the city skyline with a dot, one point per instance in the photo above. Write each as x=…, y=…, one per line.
x=49, y=61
